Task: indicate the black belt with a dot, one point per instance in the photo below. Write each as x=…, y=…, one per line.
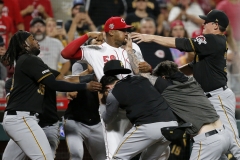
x=208, y=95
x=210, y=133
x=15, y=113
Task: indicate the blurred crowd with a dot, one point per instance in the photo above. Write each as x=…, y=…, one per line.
x=176, y=18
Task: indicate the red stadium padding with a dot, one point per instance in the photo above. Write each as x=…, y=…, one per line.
x=61, y=103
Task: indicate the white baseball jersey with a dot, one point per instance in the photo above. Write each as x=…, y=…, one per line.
x=98, y=55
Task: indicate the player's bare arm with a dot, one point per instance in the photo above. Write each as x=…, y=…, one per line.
x=186, y=69
x=165, y=41
x=132, y=57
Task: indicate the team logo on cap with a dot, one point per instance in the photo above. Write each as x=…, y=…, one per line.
x=122, y=20
x=111, y=26
x=121, y=64
x=200, y=40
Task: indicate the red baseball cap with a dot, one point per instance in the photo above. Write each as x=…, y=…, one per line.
x=115, y=23
x=176, y=23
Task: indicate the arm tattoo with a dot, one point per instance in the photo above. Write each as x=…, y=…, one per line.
x=150, y=77
x=134, y=64
x=133, y=61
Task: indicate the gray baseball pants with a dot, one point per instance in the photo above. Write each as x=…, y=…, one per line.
x=138, y=138
x=14, y=152
x=224, y=102
x=210, y=147
x=76, y=133
x=24, y=130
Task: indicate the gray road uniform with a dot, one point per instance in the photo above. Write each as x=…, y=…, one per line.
x=82, y=123
x=209, y=70
x=25, y=100
x=48, y=121
x=147, y=111
x=191, y=105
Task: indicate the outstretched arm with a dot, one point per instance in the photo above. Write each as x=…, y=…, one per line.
x=165, y=41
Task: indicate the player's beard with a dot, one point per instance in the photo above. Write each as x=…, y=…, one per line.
x=35, y=51
x=124, y=42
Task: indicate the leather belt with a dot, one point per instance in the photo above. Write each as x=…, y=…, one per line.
x=15, y=113
x=208, y=95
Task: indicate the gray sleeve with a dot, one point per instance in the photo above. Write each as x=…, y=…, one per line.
x=77, y=68
x=111, y=109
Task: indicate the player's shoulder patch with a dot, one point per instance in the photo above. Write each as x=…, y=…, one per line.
x=200, y=39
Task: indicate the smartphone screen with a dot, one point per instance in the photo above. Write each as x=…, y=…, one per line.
x=59, y=23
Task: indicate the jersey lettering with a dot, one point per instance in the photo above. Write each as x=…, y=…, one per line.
x=108, y=58
x=41, y=89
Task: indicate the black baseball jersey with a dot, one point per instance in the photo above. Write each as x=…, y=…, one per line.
x=209, y=65
x=27, y=92
x=49, y=115
x=84, y=108
x=143, y=103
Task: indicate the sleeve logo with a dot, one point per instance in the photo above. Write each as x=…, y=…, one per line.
x=200, y=40
x=45, y=71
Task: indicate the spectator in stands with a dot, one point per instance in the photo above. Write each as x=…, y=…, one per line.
x=178, y=30
x=152, y=7
x=162, y=20
x=153, y=53
x=3, y=69
x=81, y=23
x=232, y=10
x=34, y=8
x=6, y=26
x=100, y=10
x=188, y=12
x=50, y=47
x=56, y=31
x=134, y=18
x=11, y=9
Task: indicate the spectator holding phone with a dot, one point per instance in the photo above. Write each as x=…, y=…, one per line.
x=81, y=23
x=188, y=12
x=55, y=29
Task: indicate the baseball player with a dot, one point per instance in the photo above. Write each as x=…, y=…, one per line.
x=82, y=123
x=208, y=68
x=145, y=108
x=194, y=107
x=48, y=121
x=97, y=56
x=27, y=93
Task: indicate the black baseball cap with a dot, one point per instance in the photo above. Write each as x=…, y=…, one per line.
x=115, y=67
x=216, y=16
x=36, y=20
